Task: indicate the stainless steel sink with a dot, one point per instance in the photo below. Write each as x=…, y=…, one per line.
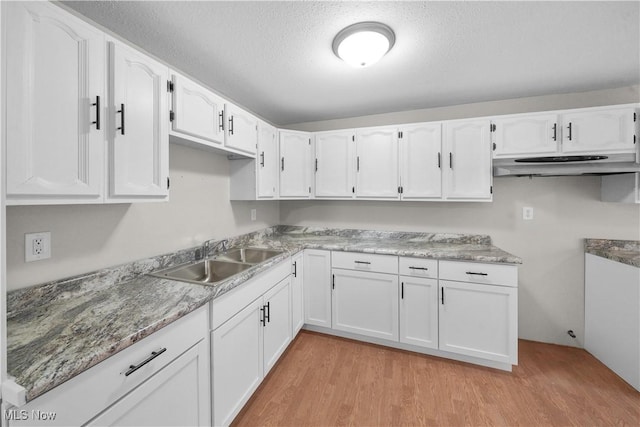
x=209, y=271
x=219, y=268
x=249, y=255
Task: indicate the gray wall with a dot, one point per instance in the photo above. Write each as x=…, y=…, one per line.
x=89, y=237
x=566, y=210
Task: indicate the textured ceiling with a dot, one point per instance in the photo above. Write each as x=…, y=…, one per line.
x=275, y=58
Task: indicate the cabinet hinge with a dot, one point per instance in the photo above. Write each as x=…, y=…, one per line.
x=169, y=86
x=171, y=115
x=168, y=183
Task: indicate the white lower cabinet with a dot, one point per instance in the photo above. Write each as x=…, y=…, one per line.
x=297, y=293
x=181, y=384
x=237, y=362
x=246, y=344
x=276, y=322
x=419, y=311
x=479, y=320
x=170, y=385
x=365, y=303
x=317, y=287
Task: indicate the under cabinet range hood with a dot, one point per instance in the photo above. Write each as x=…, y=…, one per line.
x=560, y=165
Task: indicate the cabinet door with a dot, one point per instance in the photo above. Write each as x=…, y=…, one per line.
x=419, y=311
x=140, y=144
x=377, y=163
x=421, y=162
x=276, y=322
x=335, y=164
x=55, y=64
x=467, y=162
x=267, y=163
x=177, y=395
x=297, y=293
x=295, y=164
x=602, y=131
x=365, y=303
x=479, y=320
x=526, y=136
x=241, y=129
x=317, y=287
x=198, y=112
x=237, y=362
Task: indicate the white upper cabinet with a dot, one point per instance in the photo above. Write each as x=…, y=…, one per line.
x=421, y=161
x=467, y=160
x=241, y=129
x=267, y=161
x=196, y=111
x=608, y=130
x=335, y=164
x=139, y=147
x=599, y=130
x=55, y=69
x=377, y=163
x=295, y=164
x=525, y=135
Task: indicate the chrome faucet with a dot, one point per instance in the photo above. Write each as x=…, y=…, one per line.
x=205, y=250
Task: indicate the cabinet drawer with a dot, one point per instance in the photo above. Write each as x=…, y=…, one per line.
x=102, y=385
x=365, y=262
x=476, y=272
x=419, y=267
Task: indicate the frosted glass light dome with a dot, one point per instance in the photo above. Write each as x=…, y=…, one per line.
x=363, y=44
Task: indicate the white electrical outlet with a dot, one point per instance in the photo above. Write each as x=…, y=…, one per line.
x=253, y=214
x=37, y=246
x=527, y=213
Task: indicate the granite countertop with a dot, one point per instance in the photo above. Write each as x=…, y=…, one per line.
x=624, y=251
x=59, y=329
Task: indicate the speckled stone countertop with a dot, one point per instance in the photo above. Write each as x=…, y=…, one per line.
x=59, y=329
x=624, y=251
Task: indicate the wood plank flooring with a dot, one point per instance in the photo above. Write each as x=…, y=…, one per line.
x=329, y=381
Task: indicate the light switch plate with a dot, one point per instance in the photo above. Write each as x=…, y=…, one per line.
x=37, y=246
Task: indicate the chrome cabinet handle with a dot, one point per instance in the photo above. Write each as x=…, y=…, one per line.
x=221, y=120
x=419, y=268
x=570, y=131
x=231, y=125
x=121, y=111
x=362, y=262
x=450, y=160
x=154, y=354
x=262, y=159
x=555, y=131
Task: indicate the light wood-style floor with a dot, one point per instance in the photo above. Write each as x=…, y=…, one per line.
x=329, y=381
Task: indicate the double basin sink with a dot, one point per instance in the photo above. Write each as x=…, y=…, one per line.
x=221, y=267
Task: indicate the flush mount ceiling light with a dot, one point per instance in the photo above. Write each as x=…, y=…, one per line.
x=364, y=43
